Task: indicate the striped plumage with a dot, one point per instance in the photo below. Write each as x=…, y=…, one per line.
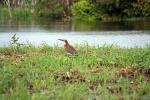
x=69, y=49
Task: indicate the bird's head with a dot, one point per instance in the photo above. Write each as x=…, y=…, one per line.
x=64, y=40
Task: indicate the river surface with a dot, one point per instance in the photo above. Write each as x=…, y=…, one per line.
x=123, y=34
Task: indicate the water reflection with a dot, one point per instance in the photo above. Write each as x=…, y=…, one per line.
x=60, y=26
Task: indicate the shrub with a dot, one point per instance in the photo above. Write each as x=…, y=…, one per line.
x=141, y=9
x=49, y=8
x=84, y=10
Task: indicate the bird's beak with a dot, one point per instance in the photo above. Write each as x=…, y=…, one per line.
x=61, y=39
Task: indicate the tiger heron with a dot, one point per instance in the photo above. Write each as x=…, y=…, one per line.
x=69, y=48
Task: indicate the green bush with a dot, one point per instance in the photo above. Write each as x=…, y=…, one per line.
x=124, y=8
x=84, y=10
x=141, y=9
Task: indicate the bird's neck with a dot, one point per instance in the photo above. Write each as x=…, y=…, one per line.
x=66, y=43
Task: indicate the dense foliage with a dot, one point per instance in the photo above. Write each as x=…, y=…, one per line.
x=124, y=8
x=78, y=9
x=49, y=8
x=84, y=10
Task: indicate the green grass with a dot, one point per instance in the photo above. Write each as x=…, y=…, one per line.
x=45, y=73
x=18, y=13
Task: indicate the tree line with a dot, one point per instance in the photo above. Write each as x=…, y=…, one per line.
x=80, y=9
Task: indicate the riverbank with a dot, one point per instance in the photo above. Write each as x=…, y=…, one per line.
x=94, y=73
x=29, y=14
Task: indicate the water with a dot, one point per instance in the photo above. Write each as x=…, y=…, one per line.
x=37, y=32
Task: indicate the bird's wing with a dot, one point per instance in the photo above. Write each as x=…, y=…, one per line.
x=70, y=49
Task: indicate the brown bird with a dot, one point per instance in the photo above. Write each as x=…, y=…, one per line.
x=69, y=49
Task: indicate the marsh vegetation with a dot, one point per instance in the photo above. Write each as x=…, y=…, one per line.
x=87, y=10
x=45, y=72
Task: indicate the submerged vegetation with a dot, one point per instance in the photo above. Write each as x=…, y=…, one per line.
x=46, y=72
x=74, y=9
